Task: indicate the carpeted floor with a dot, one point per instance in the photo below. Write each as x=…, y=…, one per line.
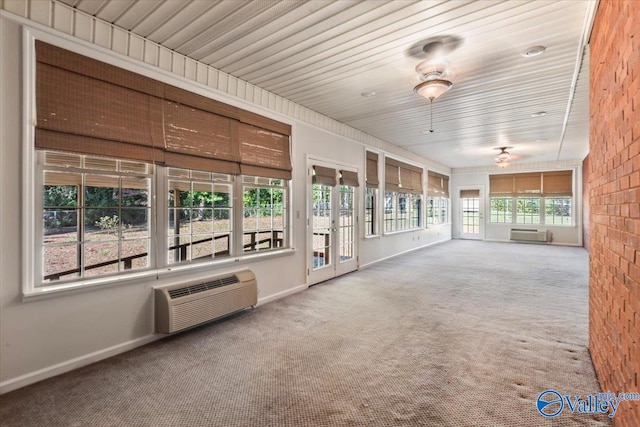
x=461, y=334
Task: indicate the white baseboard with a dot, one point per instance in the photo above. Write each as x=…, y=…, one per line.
x=78, y=362
x=282, y=294
x=403, y=252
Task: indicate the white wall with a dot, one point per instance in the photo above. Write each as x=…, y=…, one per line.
x=44, y=336
x=479, y=178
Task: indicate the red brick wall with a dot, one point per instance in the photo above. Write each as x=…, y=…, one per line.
x=586, y=190
x=614, y=178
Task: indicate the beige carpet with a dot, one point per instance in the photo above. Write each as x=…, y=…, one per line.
x=460, y=334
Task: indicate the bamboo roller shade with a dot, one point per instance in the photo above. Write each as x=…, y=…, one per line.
x=90, y=107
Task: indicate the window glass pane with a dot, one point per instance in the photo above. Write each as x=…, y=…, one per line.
x=444, y=209
x=135, y=254
x=402, y=215
x=264, y=218
x=60, y=261
x=501, y=210
x=321, y=224
x=135, y=191
x=389, y=211
x=528, y=210
x=101, y=224
x=558, y=211
x=135, y=223
x=101, y=258
x=430, y=210
x=369, y=211
x=416, y=210
x=60, y=226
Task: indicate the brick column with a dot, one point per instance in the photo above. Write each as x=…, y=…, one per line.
x=614, y=180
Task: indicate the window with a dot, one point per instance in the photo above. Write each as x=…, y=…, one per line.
x=437, y=198
x=200, y=216
x=416, y=211
x=371, y=194
x=389, y=211
x=529, y=193
x=370, y=199
x=528, y=210
x=431, y=208
x=501, y=210
x=557, y=210
x=264, y=214
x=95, y=216
x=403, y=196
x=444, y=209
x=402, y=211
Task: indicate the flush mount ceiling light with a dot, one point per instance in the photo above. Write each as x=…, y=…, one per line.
x=539, y=114
x=533, y=51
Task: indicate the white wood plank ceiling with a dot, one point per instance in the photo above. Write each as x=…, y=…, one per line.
x=325, y=54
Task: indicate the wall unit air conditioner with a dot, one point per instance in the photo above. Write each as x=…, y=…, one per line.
x=529, y=235
x=182, y=306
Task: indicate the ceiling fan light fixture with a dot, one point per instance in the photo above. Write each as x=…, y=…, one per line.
x=433, y=88
x=502, y=159
x=431, y=70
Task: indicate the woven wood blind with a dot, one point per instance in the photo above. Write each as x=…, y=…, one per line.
x=469, y=194
x=557, y=183
x=263, y=152
x=437, y=185
x=391, y=175
x=90, y=107
x=501, y=185
x=403, y=177
x=326, y=176
x=528, y=183
x=372, y=170
x=349, y=178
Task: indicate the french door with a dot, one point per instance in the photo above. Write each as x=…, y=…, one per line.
x=332, y=225
x=471, y=217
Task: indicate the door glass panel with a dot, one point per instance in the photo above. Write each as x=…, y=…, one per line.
x=346, y=226
x=322, y=225
x=470, y=215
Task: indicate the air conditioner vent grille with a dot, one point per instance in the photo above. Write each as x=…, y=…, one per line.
x=201, y=287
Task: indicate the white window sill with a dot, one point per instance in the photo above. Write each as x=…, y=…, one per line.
x=50, y=290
